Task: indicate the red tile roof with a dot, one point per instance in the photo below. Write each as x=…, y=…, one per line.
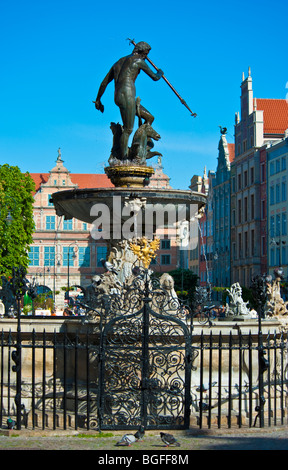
x=83, y=180
x=231, y=150
x=275, y=115
x=91, y=180
x=39, y=178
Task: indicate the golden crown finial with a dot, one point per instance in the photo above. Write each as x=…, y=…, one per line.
x=145, y=250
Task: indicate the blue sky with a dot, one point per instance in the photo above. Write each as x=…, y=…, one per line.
x=54, y=55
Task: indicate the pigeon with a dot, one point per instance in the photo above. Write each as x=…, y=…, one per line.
x=126, y=440
x=10, y=423
x=108, y=266
x=205, y=407
x=129, y=439
x=136, y=271
x=140, y=433
x=169, y=440
x=205, y=387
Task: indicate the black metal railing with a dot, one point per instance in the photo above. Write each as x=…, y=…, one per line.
x=61, y=389
x=140, y=358
x=235, y=388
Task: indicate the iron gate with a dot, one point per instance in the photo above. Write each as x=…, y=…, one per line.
x=145, y=372
x=146, y=359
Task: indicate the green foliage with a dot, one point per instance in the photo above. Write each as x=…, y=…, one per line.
x=221, y=291
x=94, y=436
x=44, y=301
x=247, y=295
x=16, y=200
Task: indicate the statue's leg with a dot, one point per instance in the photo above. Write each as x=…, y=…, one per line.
x=142, y=112
x=128, y=114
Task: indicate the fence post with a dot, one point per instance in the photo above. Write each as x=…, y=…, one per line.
x=18, y=285
x=259, y=286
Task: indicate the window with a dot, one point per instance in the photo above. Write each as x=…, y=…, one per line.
x=70, y=250
x=239, y=182
x=272, y=225
x=277, y=256
x=252, y=206
x=272, y=171
x=245, y=209
x=239, y=211
x=84, y=256
x=263, y=209
x=49, y=255
x=165, y=244
x=283, y=256
x=277, y=193
x=234, y=250
x=252, y=175
x=263, y=172
x=272, y=197
x=84, y=226
x=283, y=163
x=165, y=259
x=246, y=243
x=277, y=166
x=50, y=204
x=284, y=224
x=101, y=253
x=239, y=246
x=245, y=178
x=233, y=184
x=277, y=225
x=263, y=245
x=68, y=224
x=283, y=190
x=34, y=256
x=50, y=222
x=233, y=217
x=252, y=242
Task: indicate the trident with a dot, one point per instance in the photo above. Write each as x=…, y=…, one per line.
x=131, y=41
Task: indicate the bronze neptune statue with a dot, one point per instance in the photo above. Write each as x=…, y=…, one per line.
x=124, y=73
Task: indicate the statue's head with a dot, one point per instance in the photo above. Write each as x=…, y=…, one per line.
x=142, y=48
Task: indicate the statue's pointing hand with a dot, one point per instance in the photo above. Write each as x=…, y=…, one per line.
x=99, y=105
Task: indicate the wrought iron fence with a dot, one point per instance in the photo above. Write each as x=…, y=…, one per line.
x=141, y=359
x=71, y=381
x=237, y=385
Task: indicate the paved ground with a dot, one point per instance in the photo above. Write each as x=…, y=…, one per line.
x=267, y=439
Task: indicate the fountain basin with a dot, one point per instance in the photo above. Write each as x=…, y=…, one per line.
x=79, y=202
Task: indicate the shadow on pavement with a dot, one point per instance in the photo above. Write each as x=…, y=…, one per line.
x=246, y=443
